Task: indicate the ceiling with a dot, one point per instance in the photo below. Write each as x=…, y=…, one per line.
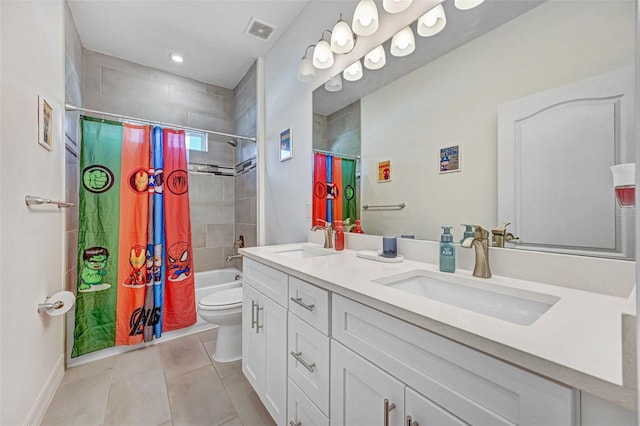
x=208, y=33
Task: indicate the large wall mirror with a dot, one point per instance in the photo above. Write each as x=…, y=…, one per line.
x=460, y=86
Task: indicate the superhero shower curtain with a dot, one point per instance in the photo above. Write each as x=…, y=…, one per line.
x=334, y=189
x=135, y=272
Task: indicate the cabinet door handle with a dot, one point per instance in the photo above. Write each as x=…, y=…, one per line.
x=253, y=313
x=387, y=409
x=298, y=357
x=299, y=301
x=411, y=422
x=258, y=326
x=291, y=423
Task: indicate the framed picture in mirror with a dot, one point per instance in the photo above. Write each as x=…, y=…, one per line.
x=286, y=145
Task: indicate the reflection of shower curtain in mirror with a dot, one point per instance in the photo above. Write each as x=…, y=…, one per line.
x=135, y=273
x=334, y=189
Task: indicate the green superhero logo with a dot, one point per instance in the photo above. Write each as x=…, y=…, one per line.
x=97, y=179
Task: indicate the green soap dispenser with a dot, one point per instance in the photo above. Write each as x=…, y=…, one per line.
x=447, y=251
x=468, y=232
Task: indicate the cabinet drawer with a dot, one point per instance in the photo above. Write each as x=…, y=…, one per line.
x=449, y=374
x=425, y=412
x=301, y=410
x=308, y=365
x=310, y=303
x=270, y=282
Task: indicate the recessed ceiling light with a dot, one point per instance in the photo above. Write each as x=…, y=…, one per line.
x=177, y=58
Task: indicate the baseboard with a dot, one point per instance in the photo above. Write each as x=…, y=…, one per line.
x=36, y=415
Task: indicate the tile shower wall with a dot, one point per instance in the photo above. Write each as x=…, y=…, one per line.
x=245, y=182
x=122, y=87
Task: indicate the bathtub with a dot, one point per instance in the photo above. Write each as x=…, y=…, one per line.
x=209, y=281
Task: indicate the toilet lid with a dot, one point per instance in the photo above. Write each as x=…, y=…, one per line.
x=230, y=296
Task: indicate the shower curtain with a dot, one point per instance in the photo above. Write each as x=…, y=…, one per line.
x=334, y=189
x=135, y=270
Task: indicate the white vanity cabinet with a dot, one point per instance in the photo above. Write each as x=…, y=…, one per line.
x=453, y=379
x=264, y=338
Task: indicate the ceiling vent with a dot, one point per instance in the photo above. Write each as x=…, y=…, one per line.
x=259, y=29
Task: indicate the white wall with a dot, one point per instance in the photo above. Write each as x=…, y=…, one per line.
x=32, y=250
x=454, y=99
x=288, y=103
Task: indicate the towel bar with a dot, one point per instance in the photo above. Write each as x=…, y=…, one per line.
x=31, y=200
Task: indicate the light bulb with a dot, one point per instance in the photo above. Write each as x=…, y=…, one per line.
x=467, y=4
x=334, y=84
x=322, y=55
x=305, y=70
x=342, y=40
x=403, y=43
x=353, y=72
x=365, y=18
x=375, y=59
x=432, y=22
x=396, y=6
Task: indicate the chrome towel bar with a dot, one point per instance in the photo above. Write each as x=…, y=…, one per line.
x=31, y=200
x=385, y=207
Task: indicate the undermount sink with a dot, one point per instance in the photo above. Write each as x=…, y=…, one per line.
x=305, y=252
x=506, y=303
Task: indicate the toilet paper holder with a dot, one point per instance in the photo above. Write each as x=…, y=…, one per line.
x=43, y=307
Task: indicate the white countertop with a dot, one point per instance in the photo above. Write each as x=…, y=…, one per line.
x=578, y=341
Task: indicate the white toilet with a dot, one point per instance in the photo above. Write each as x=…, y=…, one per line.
x=225, y=309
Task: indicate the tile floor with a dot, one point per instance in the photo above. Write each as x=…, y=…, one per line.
x=172, y=383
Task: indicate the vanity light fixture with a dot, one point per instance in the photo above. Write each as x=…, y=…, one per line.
x=353, y=72
x=342, y=38
x=467, y=4
x=432, y=22
x=396, y=6
x=403, y=42
x=375, y=59
x=175, y=57
x=365, y=18
x=334, y=84
x=322, y=54
x=306, y=71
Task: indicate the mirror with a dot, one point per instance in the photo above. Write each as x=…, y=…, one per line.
x=448, y=92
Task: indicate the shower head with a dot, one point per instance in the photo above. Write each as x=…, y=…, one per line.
x=233, y=142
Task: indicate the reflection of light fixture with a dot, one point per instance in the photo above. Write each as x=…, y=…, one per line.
x=396, y=6
x=403, y=43
x=353, y=72
x=322, y=54
x=624, y=183
x=175, y=57
x=467, y=4
x=365, y=18
x=375, y=59
x=306, y=71
x=342, y=40
x=432, y=22
x=334, y=84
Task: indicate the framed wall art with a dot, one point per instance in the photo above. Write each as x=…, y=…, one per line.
x=45, y=124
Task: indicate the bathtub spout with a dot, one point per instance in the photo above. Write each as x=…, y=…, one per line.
x=231, y=257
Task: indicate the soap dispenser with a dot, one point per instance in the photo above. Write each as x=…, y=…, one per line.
x=447, y=251
x=339, y=236
x=468, y=232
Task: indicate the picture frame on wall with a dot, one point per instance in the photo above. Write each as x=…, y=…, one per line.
x=45, y=124
x=450, y=159
x=286, y=145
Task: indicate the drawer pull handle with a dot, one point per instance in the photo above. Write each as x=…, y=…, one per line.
x=411, y=422
x=291, y=423
x=298, y=357
x=258, y=326
x=299, y=301
x=253, y=313
x=387, y=409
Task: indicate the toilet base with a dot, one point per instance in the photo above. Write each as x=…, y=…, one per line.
x=228, y=343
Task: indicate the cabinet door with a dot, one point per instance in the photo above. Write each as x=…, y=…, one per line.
x=302, y=412
x=272, y=320
x=253, y=360
x=425, y=412
x=359, y=390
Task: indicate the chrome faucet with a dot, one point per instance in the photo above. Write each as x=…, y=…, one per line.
x=238, y=244
x=500, y=235
x=480, y=242
x=328, y=233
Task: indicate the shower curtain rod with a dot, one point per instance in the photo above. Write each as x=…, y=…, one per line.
x=335, y=154
x=70, y=107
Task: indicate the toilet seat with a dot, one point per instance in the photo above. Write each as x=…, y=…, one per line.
x=224, y=299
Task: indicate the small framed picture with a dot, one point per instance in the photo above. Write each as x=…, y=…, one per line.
x=286, y=145
x=450, y=159
x=384, y=171
x=45, y=124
